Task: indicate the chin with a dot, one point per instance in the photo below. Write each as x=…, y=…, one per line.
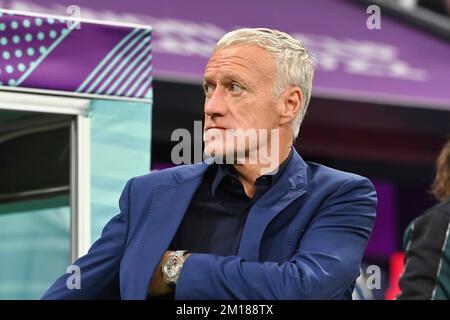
x=214, y=150
x=218, y=153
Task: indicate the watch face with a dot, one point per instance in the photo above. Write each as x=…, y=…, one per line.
x=172, y=267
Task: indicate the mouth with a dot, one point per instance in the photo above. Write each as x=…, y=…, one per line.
x=218, y=128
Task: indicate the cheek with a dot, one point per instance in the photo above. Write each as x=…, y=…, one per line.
x=274, y=119
x=266, y=115
x=254, y=113
x=241, y=113
x=272, y=111
x=248, y=117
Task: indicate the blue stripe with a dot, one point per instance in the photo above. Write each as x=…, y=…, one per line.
x=130, y=67
x=116, y=59
x=139, y=81
x=123, y=63
x=134, y=75
x=145, y=86
x=105, y=60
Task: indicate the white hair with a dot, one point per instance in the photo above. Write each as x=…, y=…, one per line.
x=295, y=64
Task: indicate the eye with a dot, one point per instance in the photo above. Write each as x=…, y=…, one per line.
x=208, y=89
x=235, y=87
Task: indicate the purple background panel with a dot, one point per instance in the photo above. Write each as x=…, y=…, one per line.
x=397, y=63
x=383, y=240
x=47, y=53
x=70, y=63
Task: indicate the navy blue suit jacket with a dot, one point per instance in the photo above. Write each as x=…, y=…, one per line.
x=303, y=239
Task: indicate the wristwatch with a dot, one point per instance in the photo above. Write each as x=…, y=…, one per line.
x=171, y=269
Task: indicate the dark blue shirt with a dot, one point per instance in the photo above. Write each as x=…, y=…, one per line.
x=216, y=216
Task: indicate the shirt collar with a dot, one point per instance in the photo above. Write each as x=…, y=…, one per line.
x=269, y=178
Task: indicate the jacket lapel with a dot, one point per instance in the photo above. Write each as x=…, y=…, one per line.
x=169, y=204
x=290, y=186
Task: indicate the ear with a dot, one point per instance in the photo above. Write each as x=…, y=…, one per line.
x=291, y=103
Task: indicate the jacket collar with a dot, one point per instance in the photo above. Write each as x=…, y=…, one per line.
x=295, y=171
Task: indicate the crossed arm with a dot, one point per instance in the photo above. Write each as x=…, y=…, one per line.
x=324, y=266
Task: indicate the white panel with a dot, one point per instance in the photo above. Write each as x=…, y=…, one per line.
x=42, y=103
x=83, y=186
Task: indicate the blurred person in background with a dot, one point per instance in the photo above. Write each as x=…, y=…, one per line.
x=439, y=6
x=426, y=273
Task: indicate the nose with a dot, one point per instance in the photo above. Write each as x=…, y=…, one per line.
x=215, y=105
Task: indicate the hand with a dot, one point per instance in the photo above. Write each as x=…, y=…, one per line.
x=158, y=286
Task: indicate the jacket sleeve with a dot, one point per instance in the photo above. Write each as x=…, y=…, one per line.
x=424, y=251
x=325, y=264
x=99, y=268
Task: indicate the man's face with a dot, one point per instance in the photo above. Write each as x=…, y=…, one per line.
x=238, y=84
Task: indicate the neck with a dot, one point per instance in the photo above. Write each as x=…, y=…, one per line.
x=248, y=173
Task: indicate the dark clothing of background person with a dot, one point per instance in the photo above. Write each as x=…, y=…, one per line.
x=427, y=256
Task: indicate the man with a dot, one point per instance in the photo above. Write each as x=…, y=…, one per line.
x=426, y=275
x=276, y=229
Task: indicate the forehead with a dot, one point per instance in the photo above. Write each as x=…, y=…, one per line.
x=247, y=61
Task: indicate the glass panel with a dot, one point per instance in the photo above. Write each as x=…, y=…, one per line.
x=34, y=246
x=34, y=202
x=120, y=134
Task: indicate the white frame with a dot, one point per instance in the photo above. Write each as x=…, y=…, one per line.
x=80, y=186
x=78, y=19
x=74, y=94
x=80, y=161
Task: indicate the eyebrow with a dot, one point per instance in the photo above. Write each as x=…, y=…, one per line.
x=227, y=76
